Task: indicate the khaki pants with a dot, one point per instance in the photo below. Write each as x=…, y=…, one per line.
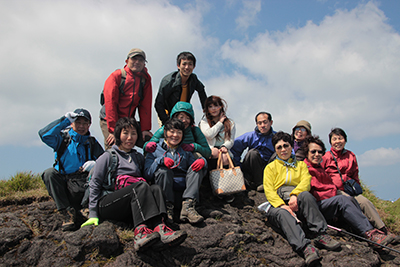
x=104, y=130
x=368, y=209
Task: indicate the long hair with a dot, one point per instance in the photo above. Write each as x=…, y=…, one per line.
x=217, y=101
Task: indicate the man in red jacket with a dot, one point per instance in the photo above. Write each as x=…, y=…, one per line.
x=136, y=93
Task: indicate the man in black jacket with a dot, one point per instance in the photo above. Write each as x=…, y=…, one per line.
x=179, y=86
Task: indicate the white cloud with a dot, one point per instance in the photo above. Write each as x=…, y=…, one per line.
x=56, y=55
x=380, y=157
x=248, y=14
x=341, y=72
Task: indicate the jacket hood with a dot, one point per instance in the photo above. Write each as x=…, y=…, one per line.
x=183, y=106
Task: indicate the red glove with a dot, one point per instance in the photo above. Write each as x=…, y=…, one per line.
x=151, y=147
x=168, y=162
x=198, y=164
x=188, y=147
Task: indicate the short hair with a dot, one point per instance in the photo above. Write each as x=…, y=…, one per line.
x=313, y=139
x=187, y=56
x=174, y=123
x=337, y=131
x=176, y=114
x=281, y=136
x=265, y=113
x=125, y=123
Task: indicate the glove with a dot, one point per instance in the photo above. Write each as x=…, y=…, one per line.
x=188, y=147
x=91, y=221
x=71, y=116
x=198, y=164
x=88, y=165
x=151, y=147
x=168, y=162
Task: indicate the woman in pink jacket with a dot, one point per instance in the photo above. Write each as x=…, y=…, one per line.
x=340, y=159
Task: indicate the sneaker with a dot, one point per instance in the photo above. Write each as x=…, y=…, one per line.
x=69, y=219
x=170, y=237
x=310, y=254
x=260, y=188
x=379, y=237
x=189, y=213
x=144, y=237
x=326, y=242
x=170, y=213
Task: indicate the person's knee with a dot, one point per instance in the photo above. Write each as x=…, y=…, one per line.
x=252, y=153
x=305, y=196
x=49, y=174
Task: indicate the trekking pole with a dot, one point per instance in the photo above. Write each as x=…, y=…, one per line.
x=362, y=238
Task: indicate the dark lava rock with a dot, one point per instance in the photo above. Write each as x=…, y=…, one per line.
x=234, y=234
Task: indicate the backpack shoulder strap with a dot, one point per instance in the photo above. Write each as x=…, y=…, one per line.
x=112, y=167
x=122, y=83
x=141, y=87
x=63, y=146
x=139, y=159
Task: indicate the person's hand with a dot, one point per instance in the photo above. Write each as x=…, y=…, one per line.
x=88, y=165
x=147, y=134
x=188, y=147
x=151, y=147
x=71, y=116
x=91, y=221
x=198, y=164
x=168, y=162
x=222, y=117
x=293, y=203
x=286, y=207
x=110, y=139
x=223, y=149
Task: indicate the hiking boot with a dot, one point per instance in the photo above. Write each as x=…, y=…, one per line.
x=170, y=237
x=260, y=188
x=189, y=213
x=310, y=254
x=170, y=213
x=144, y=238
x=379, y=237
x=69, y=219
x=326, y=242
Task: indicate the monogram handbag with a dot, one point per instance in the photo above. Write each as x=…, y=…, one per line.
x=226, y=181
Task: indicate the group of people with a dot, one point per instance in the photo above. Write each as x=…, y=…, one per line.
x=303, y=184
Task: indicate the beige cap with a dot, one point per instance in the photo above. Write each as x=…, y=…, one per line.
x=304, y=124
x=136, y=52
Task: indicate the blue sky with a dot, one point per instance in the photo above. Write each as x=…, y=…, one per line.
x=333, y=63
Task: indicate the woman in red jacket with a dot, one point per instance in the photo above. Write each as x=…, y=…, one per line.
x=332, y=205
x=340, y=159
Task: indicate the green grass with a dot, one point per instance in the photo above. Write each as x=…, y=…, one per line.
x=22, y=184
x=388, y=210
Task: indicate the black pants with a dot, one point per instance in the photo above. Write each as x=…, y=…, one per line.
x=138, y=202
x=58, y=188
x=253, y=168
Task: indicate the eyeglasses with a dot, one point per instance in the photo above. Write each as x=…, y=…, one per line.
x=315, y=151
x=284, y=146
x=179, y=160
x=300, y=129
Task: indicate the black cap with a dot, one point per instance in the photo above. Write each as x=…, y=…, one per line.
x=83, y=113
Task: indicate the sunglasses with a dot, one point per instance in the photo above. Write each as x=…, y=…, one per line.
x=284, y=146
x=315, y=151
x=300, y=129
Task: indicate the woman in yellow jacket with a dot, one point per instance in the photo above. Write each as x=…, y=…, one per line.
x=286, y=186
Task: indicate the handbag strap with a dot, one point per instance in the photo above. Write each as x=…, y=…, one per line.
x=220, y=163
x=337, y=166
